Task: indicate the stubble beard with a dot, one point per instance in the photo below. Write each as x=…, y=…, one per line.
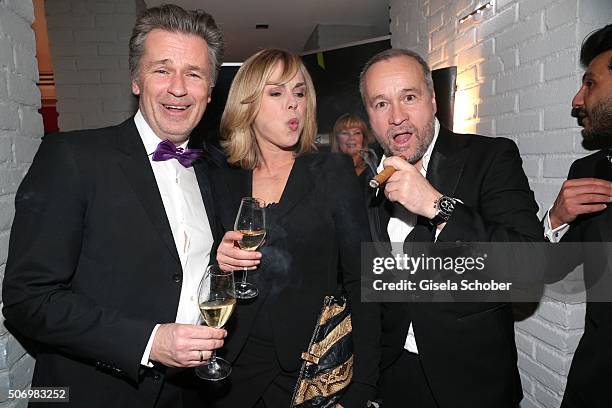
x=423, y=136
x=599, y=134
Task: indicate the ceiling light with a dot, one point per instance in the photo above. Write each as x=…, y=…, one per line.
x=476, y=14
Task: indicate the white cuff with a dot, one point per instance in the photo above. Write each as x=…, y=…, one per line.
x=553, y=235
x=145, y=356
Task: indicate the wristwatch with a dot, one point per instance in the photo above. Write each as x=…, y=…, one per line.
x=444, y=208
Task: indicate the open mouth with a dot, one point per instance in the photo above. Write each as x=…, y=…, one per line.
x=401, y=138
x=176, y=108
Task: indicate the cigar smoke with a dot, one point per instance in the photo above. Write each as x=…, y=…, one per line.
x=370, y=158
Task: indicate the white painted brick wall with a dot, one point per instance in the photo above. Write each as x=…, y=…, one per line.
x=518, y=70
x=20, y=133
x=89, y=49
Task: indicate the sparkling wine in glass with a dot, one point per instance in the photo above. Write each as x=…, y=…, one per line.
x=217, y=299
x=251, y=223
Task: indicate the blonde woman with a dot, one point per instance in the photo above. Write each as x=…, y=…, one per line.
x=315, y=222
x=349, y=136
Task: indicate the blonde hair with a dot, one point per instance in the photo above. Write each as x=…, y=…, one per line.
x=349, y=121
x=244, y=100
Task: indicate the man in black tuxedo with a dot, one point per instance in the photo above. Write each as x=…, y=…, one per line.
x=113, y=230
x=447, y=187
x=581, y=213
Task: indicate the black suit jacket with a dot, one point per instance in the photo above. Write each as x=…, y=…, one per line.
x=317, y=229
x=467, y=349
x=590, y=375
x=93, y=266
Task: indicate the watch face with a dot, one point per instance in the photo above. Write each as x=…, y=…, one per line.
x=447, y=205
x=445, y=208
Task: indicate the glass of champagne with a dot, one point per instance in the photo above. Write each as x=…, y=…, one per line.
x=216, y=298
x=251, y=223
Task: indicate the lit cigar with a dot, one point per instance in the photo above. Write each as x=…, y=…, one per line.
x=382, y=177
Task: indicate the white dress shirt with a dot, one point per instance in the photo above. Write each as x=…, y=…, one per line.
x=402, y=222
x=180, y=193
x=553, y=234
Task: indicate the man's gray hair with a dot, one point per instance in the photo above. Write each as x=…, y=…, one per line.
x=393, y=53
x=170, y=17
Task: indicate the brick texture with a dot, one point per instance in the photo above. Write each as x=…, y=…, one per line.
x=521, y=72
x=89, y=50
x=20, y=133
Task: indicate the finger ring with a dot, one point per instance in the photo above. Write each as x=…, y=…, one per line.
x=201, y=356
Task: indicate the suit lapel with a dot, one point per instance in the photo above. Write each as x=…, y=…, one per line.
x=378, y=217
x=299, y=183
x=236, y=184
x=202, y=172
x=605, y=226
x=137, y=169
x=377, y=207
x=596, y=166
x=603, y=170
x=447, y=161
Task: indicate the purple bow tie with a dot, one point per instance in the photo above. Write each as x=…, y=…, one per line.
x=166, y=150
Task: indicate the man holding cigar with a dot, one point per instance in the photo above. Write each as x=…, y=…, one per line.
x=581, y=213
x=446, y=187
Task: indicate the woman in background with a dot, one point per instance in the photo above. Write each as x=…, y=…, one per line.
x=349, y=136
x=315, y=223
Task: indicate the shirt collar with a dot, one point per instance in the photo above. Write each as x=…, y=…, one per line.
x=427, y=155
x=149, y=138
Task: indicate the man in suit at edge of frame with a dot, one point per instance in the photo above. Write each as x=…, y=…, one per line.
x=581, y=213
x=113, y=230
x=447, y=187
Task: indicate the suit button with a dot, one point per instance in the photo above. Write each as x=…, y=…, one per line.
x=177, y=278
x=156, y=377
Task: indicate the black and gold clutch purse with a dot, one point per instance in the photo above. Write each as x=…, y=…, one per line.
x=327, y=368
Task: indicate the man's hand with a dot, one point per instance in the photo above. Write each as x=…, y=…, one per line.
x=408, y=187
x=180, y=345
x=579, y=196
x=230, y=257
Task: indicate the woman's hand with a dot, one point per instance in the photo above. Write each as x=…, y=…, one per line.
x=230, y=257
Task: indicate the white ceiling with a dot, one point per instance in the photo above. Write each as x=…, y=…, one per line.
x=290, y=21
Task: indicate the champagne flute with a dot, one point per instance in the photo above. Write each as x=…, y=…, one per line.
x=216, y=299
x=251, y=223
